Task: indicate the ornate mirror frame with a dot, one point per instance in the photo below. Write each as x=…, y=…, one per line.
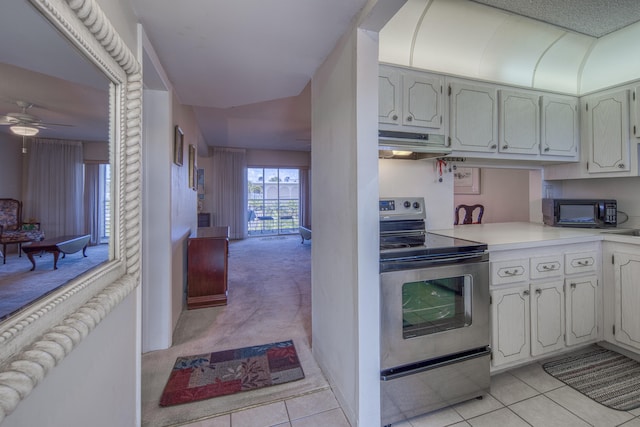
x=33, y=342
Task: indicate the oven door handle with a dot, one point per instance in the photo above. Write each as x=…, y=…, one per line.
x=440, y=363
x=459, y=258
x=444, y=259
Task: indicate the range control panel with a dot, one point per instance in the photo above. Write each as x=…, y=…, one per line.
x=401, y=208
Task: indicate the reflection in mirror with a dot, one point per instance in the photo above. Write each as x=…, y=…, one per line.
x=61, y=176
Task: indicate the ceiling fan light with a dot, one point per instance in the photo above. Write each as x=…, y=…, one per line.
x=24, y=130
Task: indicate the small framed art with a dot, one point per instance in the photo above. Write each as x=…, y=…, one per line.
x=193, y=167
x=178, y=146
x=466, y=181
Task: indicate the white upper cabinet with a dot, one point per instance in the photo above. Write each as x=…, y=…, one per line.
x=635, y=111
x=390, y=96
x=422, y=101
x=559, y=124
x=519, y=122
x=410, y=100
x=607, y=132
x=473, y=117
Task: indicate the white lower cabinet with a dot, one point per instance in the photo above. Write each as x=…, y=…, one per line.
x=510, y=340
x=582, y=306
x=552, y=303
x=626, y=267
x=547, y=317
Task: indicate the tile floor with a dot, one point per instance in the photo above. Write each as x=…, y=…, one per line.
x=526, y=396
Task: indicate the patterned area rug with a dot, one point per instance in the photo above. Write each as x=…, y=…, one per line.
x=204, y=376
x=605, y=376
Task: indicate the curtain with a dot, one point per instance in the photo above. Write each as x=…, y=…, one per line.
x=305, y=198
x=92, y=217
x=229, y=184
x=54, y=187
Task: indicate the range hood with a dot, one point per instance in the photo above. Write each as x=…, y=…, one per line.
x=410, y=145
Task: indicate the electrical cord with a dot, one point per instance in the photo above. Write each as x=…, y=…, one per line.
x=626, y=217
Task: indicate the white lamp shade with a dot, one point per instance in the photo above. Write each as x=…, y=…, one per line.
x=24, y=130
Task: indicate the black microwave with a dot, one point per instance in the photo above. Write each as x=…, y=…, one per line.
x=588, y=213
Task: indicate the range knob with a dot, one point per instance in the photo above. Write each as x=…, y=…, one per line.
x=407, y=204
x=416, y=205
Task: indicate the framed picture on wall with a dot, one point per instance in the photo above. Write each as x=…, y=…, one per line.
x=466, y=181
x=200, y=179
x=193, y=167
x=178, y=146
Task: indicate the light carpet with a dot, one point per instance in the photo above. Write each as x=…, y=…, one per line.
x=269, y=300
x=19, y=287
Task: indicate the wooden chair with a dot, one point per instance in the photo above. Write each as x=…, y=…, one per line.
x=468, y=214
x=13, y=230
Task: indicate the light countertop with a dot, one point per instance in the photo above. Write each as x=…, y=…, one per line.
x=520, y=235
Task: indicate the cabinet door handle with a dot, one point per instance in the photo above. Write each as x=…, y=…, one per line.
x=549, y=267
x=583, y=263
x=409, y=118
x=511, y=272
x=394, y=117
x=504, y=147
x=573, y=286
x=621, y=166
x=494, y=146
x=546, y=149
x=538, y=291
x=525, y=293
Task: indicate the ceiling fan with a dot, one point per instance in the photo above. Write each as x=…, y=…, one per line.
x=23, y=123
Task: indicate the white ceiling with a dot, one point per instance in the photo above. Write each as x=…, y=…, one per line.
x=595, y=18
x=39, y=66
x=245, y=66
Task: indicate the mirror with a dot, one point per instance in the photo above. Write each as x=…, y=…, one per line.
x=40, y=336
x=46, y=84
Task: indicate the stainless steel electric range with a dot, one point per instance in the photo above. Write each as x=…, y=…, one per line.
x=434, y=293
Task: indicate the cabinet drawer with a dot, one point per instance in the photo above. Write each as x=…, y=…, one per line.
x=584, y=262
x=548, y=266
x=511, y=271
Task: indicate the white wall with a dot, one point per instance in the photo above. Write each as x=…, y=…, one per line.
x=184, y=218
x=504, y=193
x=278, y=159
x=95, y=385
x=334, y=252
x=624, y=190
x=345, y=311
x=419, y=178
x=10, y=167
x=157, y=326
x=95, y=151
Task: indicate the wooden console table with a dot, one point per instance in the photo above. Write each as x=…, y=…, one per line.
x=64, y=244
x=207, y=255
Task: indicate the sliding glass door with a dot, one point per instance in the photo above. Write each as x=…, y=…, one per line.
x=273, y=201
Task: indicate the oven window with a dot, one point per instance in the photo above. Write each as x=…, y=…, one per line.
x=436, y=305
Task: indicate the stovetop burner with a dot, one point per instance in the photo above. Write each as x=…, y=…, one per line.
x=404, y=242
x=435, y=245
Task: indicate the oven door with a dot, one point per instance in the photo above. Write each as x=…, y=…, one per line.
x=433, y=312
